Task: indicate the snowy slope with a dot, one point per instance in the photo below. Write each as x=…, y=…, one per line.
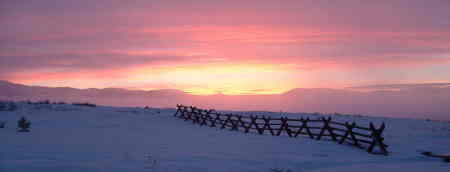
x=75, y=138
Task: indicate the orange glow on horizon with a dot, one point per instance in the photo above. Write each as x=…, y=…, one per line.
x=195, y=79
x=232, y=79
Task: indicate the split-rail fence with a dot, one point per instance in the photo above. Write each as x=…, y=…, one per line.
x=362, y=137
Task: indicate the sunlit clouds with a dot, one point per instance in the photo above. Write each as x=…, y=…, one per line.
x=224, y=79
x=224, y=47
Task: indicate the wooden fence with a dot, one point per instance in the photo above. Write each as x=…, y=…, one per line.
x=362, y=137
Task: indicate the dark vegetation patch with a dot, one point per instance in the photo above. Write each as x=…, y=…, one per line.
x=8, y=106
x=85, y=104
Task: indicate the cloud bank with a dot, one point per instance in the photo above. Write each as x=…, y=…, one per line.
x=319, y=43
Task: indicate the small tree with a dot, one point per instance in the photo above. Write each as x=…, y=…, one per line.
x=23, y=125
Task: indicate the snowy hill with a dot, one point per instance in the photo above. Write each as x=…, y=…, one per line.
x=77, y=138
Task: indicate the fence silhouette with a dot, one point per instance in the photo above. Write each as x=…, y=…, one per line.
x=339, y=132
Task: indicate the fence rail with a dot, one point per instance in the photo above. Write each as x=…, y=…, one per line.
x=362, y=137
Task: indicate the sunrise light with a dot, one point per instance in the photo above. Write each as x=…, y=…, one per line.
x=230, y=79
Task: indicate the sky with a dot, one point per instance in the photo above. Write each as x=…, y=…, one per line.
x=227, y=47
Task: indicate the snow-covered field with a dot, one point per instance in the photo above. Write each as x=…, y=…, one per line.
x=77, y=138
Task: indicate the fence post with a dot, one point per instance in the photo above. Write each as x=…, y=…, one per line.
x=214, y=121
x=234, y=124
x=284, y=126
x=307, y=128
x=178, y=110
x=377, y=139
x=326, y=127
x=304, y=126
x=226, y=121
x=209, y=117
x=242, y=122
x=201, y=119
x=194, y=115
x=349, y=132
x=204, y=117
x=267, y=125
x=249, y=126
x=254, y=118
x=182, y=112
x=188, y=114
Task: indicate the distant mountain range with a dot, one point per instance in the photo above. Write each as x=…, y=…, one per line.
x=403, y=100
x=106, y=96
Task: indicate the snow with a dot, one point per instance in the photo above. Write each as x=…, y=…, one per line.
x=77, y=138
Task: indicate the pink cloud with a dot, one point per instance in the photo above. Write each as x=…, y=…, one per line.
x=66, y=37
